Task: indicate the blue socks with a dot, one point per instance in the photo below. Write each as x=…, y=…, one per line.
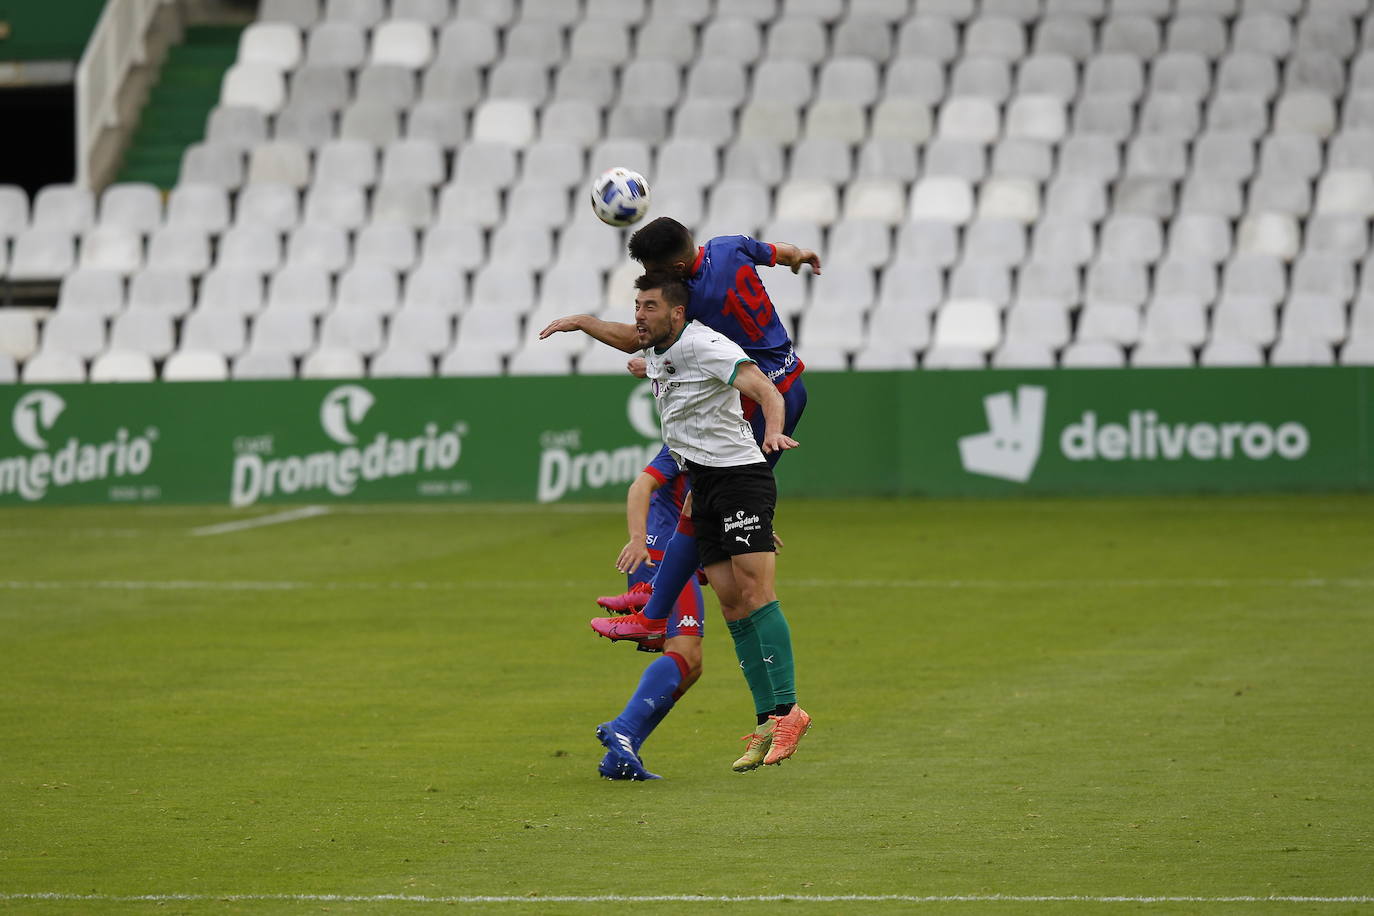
x=678, y=566
x=655, y=695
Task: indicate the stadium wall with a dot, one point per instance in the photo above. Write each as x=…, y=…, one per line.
x=984, y=433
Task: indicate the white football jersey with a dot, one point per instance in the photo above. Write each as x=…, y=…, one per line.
x=700, y=410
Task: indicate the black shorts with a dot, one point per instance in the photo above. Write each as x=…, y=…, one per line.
x=732, y=510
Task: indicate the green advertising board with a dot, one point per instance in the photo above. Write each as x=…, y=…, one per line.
x=586, y=437
x=245, y=443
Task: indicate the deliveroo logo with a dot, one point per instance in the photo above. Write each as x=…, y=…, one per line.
x=1011, y=446
x=35, y=414
x=341, y=409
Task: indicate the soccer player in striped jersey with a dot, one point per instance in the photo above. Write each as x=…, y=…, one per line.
x=727, y=295
x=698, y=375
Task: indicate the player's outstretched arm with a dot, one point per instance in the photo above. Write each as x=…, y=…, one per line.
x=753, y=384
x=790, y=255
x=636, y=551
x=613, y=333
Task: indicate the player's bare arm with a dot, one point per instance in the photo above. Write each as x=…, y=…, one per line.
x=790, y=255
x=636, y=552
x=753, y=384
x=612, y=333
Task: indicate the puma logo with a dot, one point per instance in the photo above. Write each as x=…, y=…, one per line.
x=744, y=539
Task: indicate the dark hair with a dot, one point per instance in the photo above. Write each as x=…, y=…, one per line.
x=674, y=290
x=660, y=241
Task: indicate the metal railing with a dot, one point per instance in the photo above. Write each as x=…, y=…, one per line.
x=116, y=45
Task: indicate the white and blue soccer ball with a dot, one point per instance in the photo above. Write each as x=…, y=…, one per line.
x=620, y=197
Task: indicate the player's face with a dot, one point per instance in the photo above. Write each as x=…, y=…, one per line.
x=653, y=318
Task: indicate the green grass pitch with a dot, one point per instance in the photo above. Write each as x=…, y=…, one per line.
x=1067, y=699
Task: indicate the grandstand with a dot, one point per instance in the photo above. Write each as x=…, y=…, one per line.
x=397, y=188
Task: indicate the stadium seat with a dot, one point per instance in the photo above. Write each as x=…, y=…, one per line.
x=1247, y=319
x=269, y=203
x=234, y=289
x=253, y=85
x=42, y=254
x=179, y=248
x=1023, y=354
x=84, y=289
x=1161, y=355
x=305, y=122
x=281, y=328
x=884, y=357
x=438, y=284
x=392, y=245
x=332, y=363
x=902, y=324
x=277, y=44
x=424, y=329
x=1313, y=316
x=403, y=43
x=115, y=248
x=18, y=334
x=1187, y=277
x=394, y=361
x=264, y=363
x=321, y=246
x=949, y=357
x=195, y=366
x=1108, y=321
x=1092, y=354
x=143, y=330
x=300, y=287
x=1039, y=321
x=214, y=330
x=53, y=367
x=967, y=324
x=1047, y=279
x=356, y=330
x=1301, y=350
x=80, y=333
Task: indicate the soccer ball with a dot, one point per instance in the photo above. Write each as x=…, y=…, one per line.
x=620, y=197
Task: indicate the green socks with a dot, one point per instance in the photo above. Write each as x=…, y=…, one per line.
x=750, y=655
x=763, y=644
x=775, y=641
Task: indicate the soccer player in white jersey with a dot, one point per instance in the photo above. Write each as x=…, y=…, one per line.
x=698, y=375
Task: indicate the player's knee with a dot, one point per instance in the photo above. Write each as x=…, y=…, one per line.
x=687, y=650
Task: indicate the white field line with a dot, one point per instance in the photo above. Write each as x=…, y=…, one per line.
x=30, y=533
x=913, y=584
x=683, y=898
x=276, y=518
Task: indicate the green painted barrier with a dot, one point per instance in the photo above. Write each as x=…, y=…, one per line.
x=585, y=437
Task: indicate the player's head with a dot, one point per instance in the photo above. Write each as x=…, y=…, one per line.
x=660, y=307
x=664, y=244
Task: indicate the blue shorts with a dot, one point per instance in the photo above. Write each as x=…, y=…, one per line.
x=794, y=402
x=688, y=617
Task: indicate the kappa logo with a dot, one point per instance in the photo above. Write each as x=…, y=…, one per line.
x=1011, y=446
x=343, y=408
x=35, y=414
x=688, y=621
